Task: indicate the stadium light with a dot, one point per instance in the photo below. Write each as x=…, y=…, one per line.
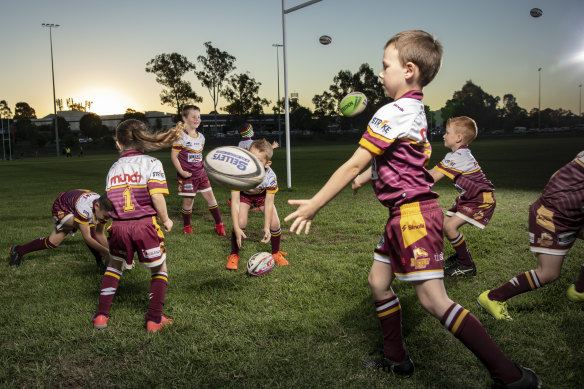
x=50, y=26
x=580, y=103
x=277, y=46
x=286, y=98
x=539, y=101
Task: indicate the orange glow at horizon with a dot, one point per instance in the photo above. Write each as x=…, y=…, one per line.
x=105, y=100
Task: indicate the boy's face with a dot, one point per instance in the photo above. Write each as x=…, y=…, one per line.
x=451, y=138
x=192, y=119
x=101, y=215
x=261, y=156
x=393, y=74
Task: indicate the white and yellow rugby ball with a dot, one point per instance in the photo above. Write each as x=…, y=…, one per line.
x=234, y=167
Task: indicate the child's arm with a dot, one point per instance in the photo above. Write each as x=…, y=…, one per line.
x=100, y=234
x=268, y=214
x=160, y=207
x=275, y=145
x=176, y=163
x=436, y=175
x=344, y=175
x=235, y=201
x=361, y=180
x=91, y=242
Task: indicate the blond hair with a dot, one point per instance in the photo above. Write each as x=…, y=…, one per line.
x=263, y=146
x=464, y=126
x=420, y=48
x=134, y=134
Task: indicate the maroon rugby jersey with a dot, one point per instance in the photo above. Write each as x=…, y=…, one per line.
x=466, y=174
x=564, y=193
x=78, y=202
x=396, y=135
x=190, y=153
x=131, y=180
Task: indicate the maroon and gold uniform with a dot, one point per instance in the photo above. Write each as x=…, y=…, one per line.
x=190, y=157
x=412, y=241
x=256, y=197
x=77, y=204
x=476, y=202
x=556, y=218
x=131, y=182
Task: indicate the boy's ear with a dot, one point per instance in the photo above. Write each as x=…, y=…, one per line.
x=268, y=164
x=410, y=70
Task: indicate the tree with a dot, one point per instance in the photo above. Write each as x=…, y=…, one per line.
x=91, y=126
x=216, y=67
x=511, y=114
x=475, y=103
x=23, y=110
x=5, y=111
x=242, y=95
x=169, y=70
x=132, y=114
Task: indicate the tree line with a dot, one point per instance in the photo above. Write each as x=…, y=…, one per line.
x=216, y=72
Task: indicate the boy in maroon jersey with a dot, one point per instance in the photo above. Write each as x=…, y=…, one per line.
x=556, y=220
x=136, y=185
x=476, y=202
x=410, y=249
x=73, y=210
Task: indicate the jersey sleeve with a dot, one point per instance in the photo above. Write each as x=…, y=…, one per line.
x=448, y=167
x=388, y=124
x=157, y=180
x=272, y=184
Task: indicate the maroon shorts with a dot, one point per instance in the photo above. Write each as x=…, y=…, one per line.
x=190, y=186
x=412, y=242
x=142, y=236
x=61, y=216
x=253, y=200
x=477, y=211
x=547, y=233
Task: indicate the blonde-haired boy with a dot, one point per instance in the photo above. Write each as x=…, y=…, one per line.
x=476, y=202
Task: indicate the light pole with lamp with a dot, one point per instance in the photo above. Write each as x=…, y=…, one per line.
x=539, y=100
x=286, y=99
x=580, y=103
x=50, y=26
x=277, y=46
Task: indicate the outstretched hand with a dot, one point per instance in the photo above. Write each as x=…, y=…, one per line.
x=302, y=216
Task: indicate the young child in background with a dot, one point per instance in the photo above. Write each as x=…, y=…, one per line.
x=556, y=220
x=411, y=245
x=136, y=185
x=476, y=202
x=187, y=158
x=246, y=132
x=73, y=210
x=261, y=196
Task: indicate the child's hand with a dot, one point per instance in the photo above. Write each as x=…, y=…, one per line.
x=267, y=236
x=186, y=174
x=167, y=225
x=303, y=216
x=239, y=235
x=275, y=145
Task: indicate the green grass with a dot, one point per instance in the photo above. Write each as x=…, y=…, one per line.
x=307, y=325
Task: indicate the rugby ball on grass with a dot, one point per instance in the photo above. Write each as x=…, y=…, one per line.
x=353, y=104
x=260, y=263
x=234, y=167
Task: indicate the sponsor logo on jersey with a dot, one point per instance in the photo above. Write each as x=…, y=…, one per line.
x=398, y=107
x=237, y=160
x=411, y=227
x=158, y=174
x=126, y=178
x=545, y=240
x=421, y=258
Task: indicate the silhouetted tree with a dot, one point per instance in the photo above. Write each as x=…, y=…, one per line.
x=23, y=110
x=169, y=70
x=242, y=94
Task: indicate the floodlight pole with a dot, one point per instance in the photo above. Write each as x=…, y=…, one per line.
x=580, y=103
x=277, y=46
x=51, y=25
x=539, y=101
x=286, y=98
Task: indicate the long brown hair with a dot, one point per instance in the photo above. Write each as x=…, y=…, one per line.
x=134, y=134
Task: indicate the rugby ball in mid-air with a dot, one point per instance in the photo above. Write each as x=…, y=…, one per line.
x=353, y=104
x=325, y=40
x=234, y=167
x=260, y=263
x=536, y=12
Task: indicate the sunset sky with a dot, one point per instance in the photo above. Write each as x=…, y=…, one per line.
x=101, y=48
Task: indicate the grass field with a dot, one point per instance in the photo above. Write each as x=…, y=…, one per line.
x=308, y=325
